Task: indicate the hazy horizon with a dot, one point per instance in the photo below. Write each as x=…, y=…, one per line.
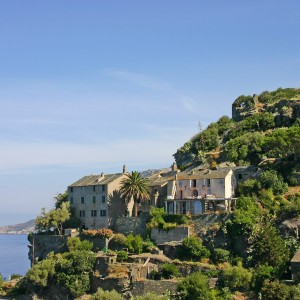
x=85, y=89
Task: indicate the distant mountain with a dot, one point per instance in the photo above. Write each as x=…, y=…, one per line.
x=22, y=228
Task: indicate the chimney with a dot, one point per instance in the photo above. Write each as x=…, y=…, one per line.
x=124, y=169
x=174, y=167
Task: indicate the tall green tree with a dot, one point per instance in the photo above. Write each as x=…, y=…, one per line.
x=53, y=218
x=134, y=187
x=269, y=248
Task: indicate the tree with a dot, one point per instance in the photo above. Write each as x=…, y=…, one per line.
x=134, y=187
x=236, y=277
x=192, y=248
x=74, y=244
x=53, y=218
x=195, y=286
x=72, y=271
x=269, y=248
x=169, y=270
x=134, y=243
x=261, y=273
x=274, y=290
x=271, y=180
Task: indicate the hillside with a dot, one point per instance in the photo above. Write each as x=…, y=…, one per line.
x=264, y=129
x=22, y=228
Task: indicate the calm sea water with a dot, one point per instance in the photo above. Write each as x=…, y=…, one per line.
x=13, y=254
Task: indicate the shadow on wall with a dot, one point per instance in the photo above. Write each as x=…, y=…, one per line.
x=116, y=208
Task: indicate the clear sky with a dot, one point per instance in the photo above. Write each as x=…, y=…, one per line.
x=86, y=86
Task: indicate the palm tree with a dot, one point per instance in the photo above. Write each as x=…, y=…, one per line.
x=134, y=187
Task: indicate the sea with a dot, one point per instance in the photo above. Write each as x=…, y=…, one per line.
x=13, y=254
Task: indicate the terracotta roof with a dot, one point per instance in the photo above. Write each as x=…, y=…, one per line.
x=296, y=257
x=96, y=179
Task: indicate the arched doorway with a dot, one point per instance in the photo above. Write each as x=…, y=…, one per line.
x=197, y=207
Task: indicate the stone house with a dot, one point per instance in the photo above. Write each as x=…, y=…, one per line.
x=96, y=199
x=295, y=265
x=199, y=190
x=158, y=188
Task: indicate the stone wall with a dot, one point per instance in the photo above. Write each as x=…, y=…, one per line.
x=135, y=225
x=42, y=245
x=160, y=287
x=172, y=235
x=109, y=284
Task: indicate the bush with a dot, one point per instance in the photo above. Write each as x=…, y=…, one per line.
x=274, y=290
x=122, y=255
x=148, y=245
x=151, y=296
x=192, y=248
x=134, y=243
x=117, y=242
x=195, y=286
x=168, y=271
x=236, y=277
x=106, y=295
x=102, y=233
x=220, y=255
x=260, y=274
x=271, y=180
x=74, y=243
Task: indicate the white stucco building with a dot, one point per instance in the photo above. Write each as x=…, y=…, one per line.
x=198, y=191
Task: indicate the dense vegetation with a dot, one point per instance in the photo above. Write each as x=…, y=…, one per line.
x=248, y=253
x=258, y=136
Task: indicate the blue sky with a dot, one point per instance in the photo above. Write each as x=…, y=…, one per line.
x=86, y=86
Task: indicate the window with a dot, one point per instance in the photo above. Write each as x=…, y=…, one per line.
x=82, y=199
x=94, y=199
x=94, y=188
x=81, y=213
x=181, y=195
x=240, y=176
x=94, y=213
x=103, y=199
x=208, y=182
x=194, y=183
x=195, y=193
x=103, y=213
x=71, y=189
x=103, y=188
x=71, y=200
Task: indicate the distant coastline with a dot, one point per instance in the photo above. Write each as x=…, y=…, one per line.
x=22, y=228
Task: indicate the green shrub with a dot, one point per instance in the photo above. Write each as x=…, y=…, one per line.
x=260, y=274
x=148, y=245
x=134, y=243
x=106, y=295
x=195, y=286
x=169, y=270
x=192, y=248
x=74, y=243
x=151, y=296
x=236, y=277
x=122, y=255
x=274, y=290
x=220, y=255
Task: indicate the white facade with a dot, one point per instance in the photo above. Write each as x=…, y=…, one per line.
x=196, y=192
